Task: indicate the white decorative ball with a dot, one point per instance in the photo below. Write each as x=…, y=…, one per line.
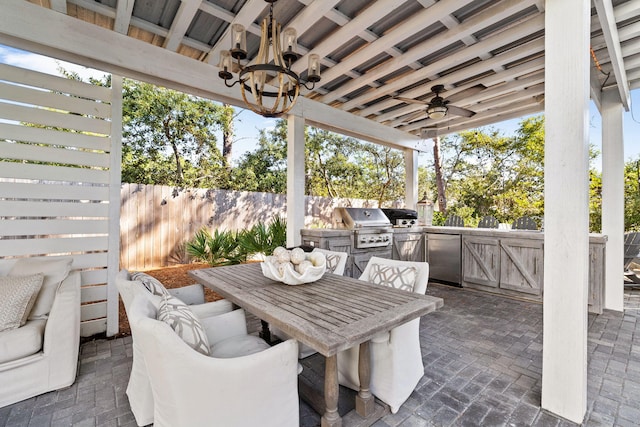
x=303, y=266
x=297, y=255
x=277, y=251
x=283, y=256
x=317, y=259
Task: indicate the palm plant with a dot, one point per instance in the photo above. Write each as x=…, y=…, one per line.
x=219, y=248
x=263, y=238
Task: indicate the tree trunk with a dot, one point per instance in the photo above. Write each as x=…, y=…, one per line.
x=176, y=151
x=442, y=199
x=227, y=134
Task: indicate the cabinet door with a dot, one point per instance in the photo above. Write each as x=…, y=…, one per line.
x=408, y=247
x=480, y=261
x=521, y=265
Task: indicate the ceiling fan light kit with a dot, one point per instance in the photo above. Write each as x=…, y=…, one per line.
x=271, y=62
x=437, y=111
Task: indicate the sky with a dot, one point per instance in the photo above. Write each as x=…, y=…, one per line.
x=248, y=123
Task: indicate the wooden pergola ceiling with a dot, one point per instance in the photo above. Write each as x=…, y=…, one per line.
x=488, y=54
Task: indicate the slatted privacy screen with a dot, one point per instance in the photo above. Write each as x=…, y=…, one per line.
x=55, y=178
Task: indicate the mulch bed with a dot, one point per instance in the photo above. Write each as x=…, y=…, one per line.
x=171, y=277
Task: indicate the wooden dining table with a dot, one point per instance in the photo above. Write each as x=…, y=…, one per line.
x=331, y=314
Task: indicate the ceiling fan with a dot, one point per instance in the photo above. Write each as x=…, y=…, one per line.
x=437, y=107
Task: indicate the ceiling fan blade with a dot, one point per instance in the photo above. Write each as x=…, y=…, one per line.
x=460, y=96
x=414, y=116
x=411, y=101
x=460, y=111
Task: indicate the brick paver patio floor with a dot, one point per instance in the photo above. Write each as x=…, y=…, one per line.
x=482, y=355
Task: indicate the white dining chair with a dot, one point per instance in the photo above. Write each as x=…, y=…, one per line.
x=233, y=386
x=396, y=359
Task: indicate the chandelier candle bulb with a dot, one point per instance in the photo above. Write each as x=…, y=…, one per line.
x=314, y=68
x=225, y=65
x=238, y=41
x=290, y=42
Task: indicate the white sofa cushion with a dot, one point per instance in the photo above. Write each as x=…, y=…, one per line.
x=55, y=270
x=241, y=345
x=177, y=314
x=393, y=276
x=22, y=342
x=17, y=296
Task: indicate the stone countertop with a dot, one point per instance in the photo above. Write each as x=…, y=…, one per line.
x=466, y=231
x=498, y=233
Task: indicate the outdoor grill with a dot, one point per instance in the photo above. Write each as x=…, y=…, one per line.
x=371, y=227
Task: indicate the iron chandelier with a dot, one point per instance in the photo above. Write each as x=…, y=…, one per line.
x=270, y=63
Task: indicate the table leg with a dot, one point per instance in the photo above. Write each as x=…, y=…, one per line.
x=331, y=417
x=365, y=402
x=265, y=334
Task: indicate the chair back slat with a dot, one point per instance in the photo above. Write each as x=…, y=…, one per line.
x=454, y=221
x=488, y=221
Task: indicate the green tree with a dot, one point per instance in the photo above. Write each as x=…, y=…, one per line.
x=336, y=166
x=169, y=137
x=632, y=195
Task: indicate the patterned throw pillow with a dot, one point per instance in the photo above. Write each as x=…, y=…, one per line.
x=54, y=269
x=179, y=316
x=152, y=284
x=17, y=296
x=396, y=277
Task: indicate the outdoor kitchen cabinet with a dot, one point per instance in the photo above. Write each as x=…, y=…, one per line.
x=510, y=266
x=408, y=244
x=500, y=262
x=333, y=240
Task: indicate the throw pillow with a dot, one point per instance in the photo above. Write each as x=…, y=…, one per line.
x=152, y=284
x=179, y=316
x=54, y=269
x=17, y=296
x=396, y=277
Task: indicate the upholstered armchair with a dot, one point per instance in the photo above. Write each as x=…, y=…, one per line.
x=336, y=263
x=139, y=389
x=396, y=359
x=193, y=389
x=42, y=354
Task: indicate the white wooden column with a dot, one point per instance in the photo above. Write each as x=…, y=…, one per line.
x=613, y=197
x=566, y=222
x=295, y=179
x=115, y=172
x=411, y=196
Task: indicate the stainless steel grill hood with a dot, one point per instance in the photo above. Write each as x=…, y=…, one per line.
x=358, y=218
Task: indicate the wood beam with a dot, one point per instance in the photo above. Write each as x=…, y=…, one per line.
x=419, y=20
x=511, y=35
x=494, y=13
x=490, y=109
x=124, y=10
x=245, y=17
x=604, y=9
x=464, y=74
x=59, y=5
x=185, y=14
x=116, y=53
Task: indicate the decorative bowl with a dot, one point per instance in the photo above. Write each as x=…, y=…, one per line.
x=286, y=273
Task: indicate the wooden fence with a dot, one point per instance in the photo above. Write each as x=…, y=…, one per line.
x=156, y=221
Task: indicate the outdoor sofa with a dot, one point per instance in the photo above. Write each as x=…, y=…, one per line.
x=40, y=355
